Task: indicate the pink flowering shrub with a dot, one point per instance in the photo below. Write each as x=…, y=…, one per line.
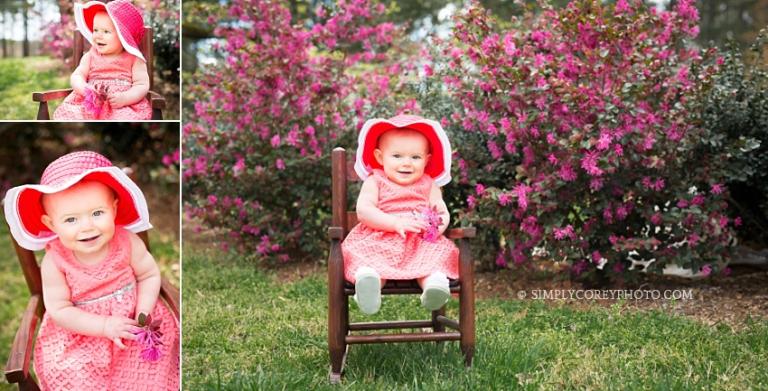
x=57, y=40
x=578, y=131
x=257, y=144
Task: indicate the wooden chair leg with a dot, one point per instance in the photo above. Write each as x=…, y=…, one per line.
x=338, y=315
x=42, y=112
x=436, y=326
x=28, y=385
x=157, y=114
x=467, y=302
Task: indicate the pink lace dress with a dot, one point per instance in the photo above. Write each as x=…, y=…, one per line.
x=65, y=360
x=114, y=72
x=391, y=255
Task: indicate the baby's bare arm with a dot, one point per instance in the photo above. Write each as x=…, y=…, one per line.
x=79, y=78
x=58, y=304
x=147, y=275
x=138, y=89
x=436, y=199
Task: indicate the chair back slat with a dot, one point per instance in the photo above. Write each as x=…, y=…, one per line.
x=339, y=188
x=351, y=219
x=342, y=173
x=30, y=268
x=144, y=236
x=148, y=51
x=146, y=48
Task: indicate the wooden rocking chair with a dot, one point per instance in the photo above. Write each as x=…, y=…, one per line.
x=155, y=100
x=17, y=368
x=339, y=290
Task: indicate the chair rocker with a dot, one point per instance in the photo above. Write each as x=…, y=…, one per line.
x=17, y=368
x=340, y=329
x=156, y=101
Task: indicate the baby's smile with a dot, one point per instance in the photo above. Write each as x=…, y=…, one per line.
x=92, y=238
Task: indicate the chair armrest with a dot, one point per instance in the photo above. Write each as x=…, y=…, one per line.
x=335, y=233
x=171, y=295
x=50, y=95
x=17, y=368
x=461, y=233
x=156, y=100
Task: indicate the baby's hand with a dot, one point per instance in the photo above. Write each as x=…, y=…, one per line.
x=408, y=224
x=118, y=327
x=118, y=100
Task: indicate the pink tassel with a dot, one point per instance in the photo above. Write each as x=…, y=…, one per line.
x=92, y=103
x=149, y=337
x=432, y=217
x=95, y=102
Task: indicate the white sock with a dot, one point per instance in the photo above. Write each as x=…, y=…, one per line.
x=367, y=290
x=436, y=291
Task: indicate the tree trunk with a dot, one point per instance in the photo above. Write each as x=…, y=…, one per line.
x=66, y=7
x=2, y=31
x=25, y=47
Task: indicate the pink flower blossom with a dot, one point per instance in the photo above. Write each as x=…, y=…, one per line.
x=239, y=167
x=566, y=173
x=589, y=163
x=717, y=188
x=479, y=189
x=510, y=49
x=562, y=233
x=693, y=239
x=521, y=191
x=706, y=270
x=212, y=199
x=501, y=260
x=504, y=199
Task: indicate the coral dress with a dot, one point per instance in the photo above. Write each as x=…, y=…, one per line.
x=114, y=72
x=65, y=360
x=387, y=252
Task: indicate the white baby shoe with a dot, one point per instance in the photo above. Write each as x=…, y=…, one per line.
x=367, y=290
x=436, y=291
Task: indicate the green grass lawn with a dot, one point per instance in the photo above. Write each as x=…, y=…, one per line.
x=20, y=77
x=243, y=328
x=14, y=294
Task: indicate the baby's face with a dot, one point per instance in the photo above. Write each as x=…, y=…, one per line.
x=83, y=217
x=403, y=154
x=105, y=35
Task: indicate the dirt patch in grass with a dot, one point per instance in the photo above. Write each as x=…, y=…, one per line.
x=730, y=300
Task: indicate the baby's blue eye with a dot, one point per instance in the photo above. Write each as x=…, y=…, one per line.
x=98, y=213
x=416, y=157
x=69, y=220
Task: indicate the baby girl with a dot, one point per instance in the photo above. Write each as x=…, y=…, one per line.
x=111, y=82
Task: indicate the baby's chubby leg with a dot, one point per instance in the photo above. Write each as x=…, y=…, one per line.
x=436, y=290
x=368, y=290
